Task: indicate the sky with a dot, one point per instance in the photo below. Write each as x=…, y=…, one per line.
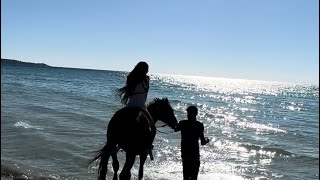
x=274, y=40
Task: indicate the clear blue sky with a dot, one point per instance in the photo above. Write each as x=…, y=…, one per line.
x=245, y=39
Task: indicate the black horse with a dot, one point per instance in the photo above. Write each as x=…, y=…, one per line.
x=134, y=136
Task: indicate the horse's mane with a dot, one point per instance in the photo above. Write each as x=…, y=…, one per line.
x=157, y=100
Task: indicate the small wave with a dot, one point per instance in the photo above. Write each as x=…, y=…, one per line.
x=270, y=151
x=15, y=171
x=26, y=125
x=260, y=127
x=305, y=91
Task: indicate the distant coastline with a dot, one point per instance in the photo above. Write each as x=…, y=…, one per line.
x=14, y=62
x=21, y=63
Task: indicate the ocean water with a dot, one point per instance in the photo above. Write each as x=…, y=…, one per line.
x=52, y=119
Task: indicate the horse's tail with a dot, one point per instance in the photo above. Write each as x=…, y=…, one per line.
x=103, y=154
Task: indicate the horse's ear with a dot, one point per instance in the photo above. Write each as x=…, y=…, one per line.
x=166, y=100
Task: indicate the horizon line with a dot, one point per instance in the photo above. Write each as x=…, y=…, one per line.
x=155, y=73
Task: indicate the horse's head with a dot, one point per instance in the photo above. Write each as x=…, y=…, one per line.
x=160, y=109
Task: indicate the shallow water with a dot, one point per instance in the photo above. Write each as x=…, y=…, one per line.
x=52, y=119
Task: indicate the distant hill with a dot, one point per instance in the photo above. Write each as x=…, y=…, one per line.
x=20, y=63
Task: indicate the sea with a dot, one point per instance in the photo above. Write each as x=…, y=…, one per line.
x=53, y=120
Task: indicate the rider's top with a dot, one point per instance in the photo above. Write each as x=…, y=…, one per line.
x=139, y=94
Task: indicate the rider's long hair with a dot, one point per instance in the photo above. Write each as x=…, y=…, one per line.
x=137, y=75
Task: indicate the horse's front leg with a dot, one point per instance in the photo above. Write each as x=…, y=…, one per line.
x=143, y=157
x=126, y=170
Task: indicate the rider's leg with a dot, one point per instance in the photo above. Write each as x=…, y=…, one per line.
x=150, y=131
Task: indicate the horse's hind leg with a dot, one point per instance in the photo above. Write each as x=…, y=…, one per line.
x=115, y=164
x=107, y=151
x=103, y=166
x=126, y=170
x=143, y=158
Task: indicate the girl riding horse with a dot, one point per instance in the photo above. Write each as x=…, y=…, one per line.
x=134, y=94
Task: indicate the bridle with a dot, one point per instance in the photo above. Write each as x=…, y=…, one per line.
x=165, y=124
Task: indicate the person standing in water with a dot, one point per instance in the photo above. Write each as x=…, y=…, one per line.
x=191, y=132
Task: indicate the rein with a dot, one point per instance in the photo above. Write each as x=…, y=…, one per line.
x=165, y=132
x=162, y=131
x=162, y=125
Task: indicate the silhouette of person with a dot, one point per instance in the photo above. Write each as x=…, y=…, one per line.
x=134, y=94
x=191, y=132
